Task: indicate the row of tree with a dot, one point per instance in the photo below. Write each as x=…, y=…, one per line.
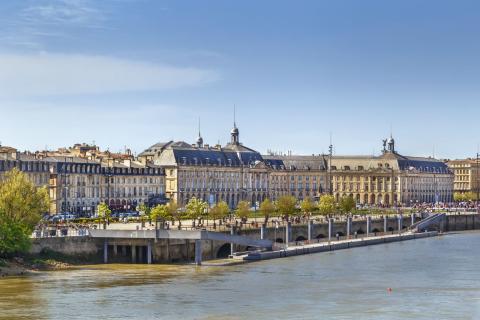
x=285, y=206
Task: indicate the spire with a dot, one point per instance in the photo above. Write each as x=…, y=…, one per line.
x=234, y=116
x=235, y=132
x=199, y=139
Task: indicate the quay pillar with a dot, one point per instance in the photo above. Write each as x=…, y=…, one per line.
x=310, y=230
x=232, y=245
x=330, y=229
x=105, y=251
x=134, y=254
x=115, y=249
x=412, y=219
x=349, y=227
x=400, y=223
x=369, y=225
x=288, y=233
x=385, y=224
x=149, y=252
x=263, y=229
x=198, y=252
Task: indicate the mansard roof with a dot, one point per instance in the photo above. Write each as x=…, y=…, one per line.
x=294, y=162
x=182, y=153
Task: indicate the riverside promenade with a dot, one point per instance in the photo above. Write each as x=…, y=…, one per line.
x=303, y=249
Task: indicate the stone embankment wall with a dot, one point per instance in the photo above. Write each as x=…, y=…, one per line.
x=167, y=251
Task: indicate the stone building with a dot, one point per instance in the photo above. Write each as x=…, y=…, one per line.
x=391, y=178
x=300, y=176
x=231, y=173
x=78, y=184
x=467, y=175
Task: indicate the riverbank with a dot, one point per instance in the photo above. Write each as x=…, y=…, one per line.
x=29, y=264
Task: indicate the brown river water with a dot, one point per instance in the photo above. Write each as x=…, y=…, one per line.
x=435, y=278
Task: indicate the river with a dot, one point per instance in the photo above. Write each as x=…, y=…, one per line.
x=435, y=278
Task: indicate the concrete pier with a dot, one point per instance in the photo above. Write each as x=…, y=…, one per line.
x=105, y=251
x=369, y=225
x=335, y=245
x=349, y=227
x=149, y=252
x=330, y=229
x=310, y=230
x=198, y=252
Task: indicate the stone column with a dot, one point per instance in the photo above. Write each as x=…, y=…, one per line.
x=330, y=229
x=198, y=252
x=105, y=251
x=349, y=227
x=115, y=249
x=149, y=252
x=288, y=230
x=263, y=230
x=232, y=245
x=369, y=225
x=134, y=254
x=400, y=223
x=310, y=230
x=412, y=219
x=385, y=224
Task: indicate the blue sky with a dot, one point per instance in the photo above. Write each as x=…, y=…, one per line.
x=135, y=72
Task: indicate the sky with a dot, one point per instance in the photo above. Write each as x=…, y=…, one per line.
x=131, y=73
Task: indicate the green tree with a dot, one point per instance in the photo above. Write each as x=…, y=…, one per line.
x=14, y=237
x=21, y=206
x=267, y=207
x=327, y=204
x=172, y=208
x=160, y=212
x=286, y=206
x=243, y=210
x=21, y=201
x=347, y=204
x=143, y=209
x=459, y=197
x=219, y=211
x=307, y=206
x=196, y=209
x=104, y=212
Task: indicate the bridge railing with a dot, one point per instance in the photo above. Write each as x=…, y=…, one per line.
x=60, y=233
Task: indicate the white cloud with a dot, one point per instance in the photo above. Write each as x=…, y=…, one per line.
x=60, y=74
x=62, y=12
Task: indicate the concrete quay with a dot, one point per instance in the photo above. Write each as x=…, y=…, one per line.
x=333, y=246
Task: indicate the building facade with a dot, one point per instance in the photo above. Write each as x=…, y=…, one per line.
x=467, y=176
x=391, y=179
x=78, y=184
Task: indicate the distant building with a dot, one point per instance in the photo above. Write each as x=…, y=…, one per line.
x=467, y=176
x=391, y=178
x=79, y=183
x=231, y=173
